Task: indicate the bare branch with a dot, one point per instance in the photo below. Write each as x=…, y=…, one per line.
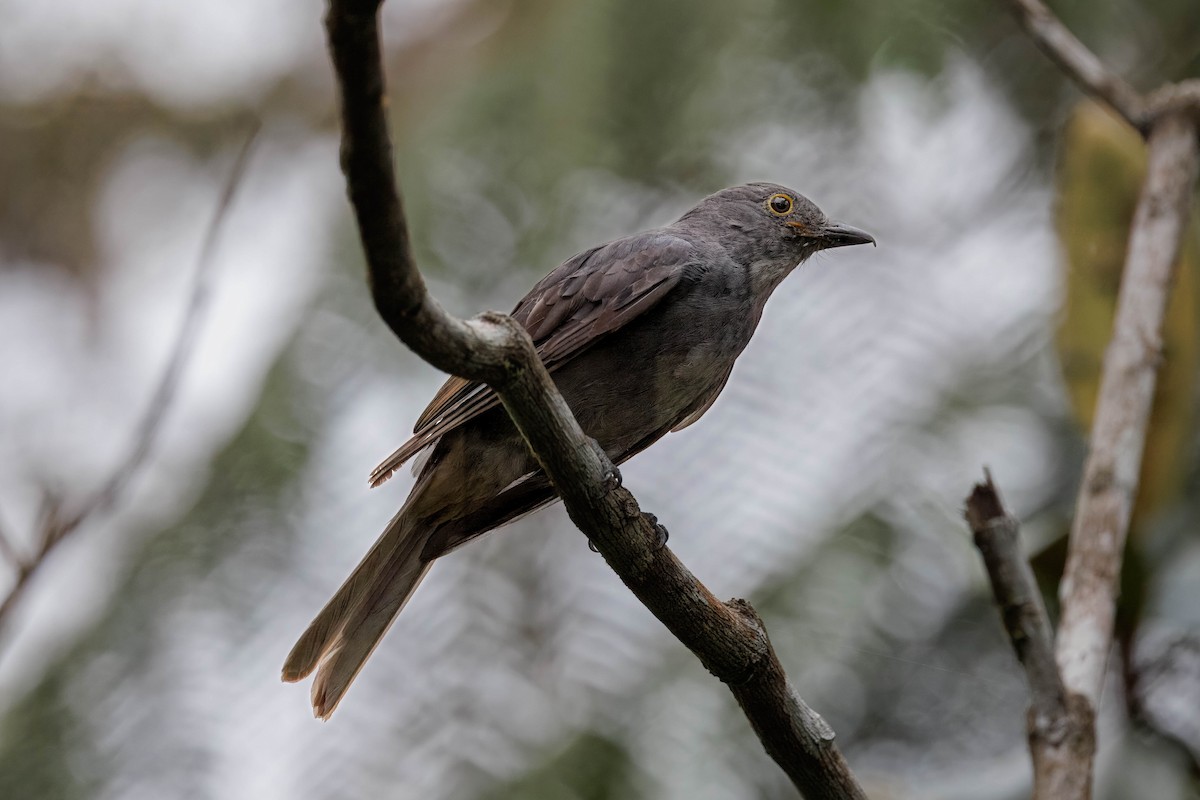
x=1080, y=63
x=727, y=637
x=1170, y=120
x=997, y=536
x=1182, y=97
x=1089, y=587
x=1061, y=730
x=53, y=527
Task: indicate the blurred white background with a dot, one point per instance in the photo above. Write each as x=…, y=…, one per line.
x=826, y=483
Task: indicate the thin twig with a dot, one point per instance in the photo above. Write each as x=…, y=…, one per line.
x=1080, y=63
x=181, y=352
x=53, y=527
x=728, y=638
x=8, y=549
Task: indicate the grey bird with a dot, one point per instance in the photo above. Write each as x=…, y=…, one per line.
x=640, y=336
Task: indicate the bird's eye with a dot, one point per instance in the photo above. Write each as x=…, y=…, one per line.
x=779, y=204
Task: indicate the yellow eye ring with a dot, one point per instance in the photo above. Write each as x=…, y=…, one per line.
x=779, y=204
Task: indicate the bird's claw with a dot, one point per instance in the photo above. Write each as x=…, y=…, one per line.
x=611, y=480
x=661, y=534
x=660, y=531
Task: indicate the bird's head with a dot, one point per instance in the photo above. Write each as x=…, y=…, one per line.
x=768, y=228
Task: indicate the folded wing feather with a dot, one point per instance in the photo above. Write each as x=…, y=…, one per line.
x=586, y=298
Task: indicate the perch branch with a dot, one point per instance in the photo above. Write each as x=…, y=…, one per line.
x=728, y=638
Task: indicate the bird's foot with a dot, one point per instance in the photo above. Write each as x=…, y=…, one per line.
x=661, y=534
x=611, y=480
x=660, y=531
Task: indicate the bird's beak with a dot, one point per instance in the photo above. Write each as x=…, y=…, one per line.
x=836, y=234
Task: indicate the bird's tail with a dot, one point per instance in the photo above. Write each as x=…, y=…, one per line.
x=344, y=634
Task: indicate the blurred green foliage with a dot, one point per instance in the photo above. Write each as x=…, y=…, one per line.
x=49, y=742
x=590, y=767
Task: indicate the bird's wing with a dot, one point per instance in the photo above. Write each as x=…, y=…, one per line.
x=586, y=298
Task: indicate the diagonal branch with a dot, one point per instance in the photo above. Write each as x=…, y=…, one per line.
x=1078, y=62
x=728, y=638
x=8, y=548
x=181, y=351
x=53, y=527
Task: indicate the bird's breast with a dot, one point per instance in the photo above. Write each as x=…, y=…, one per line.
x=644, y=378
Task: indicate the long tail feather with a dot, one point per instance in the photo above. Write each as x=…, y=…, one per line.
x=364, y=629
x=345, y=633
x=354, y=619
x=317, y=639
